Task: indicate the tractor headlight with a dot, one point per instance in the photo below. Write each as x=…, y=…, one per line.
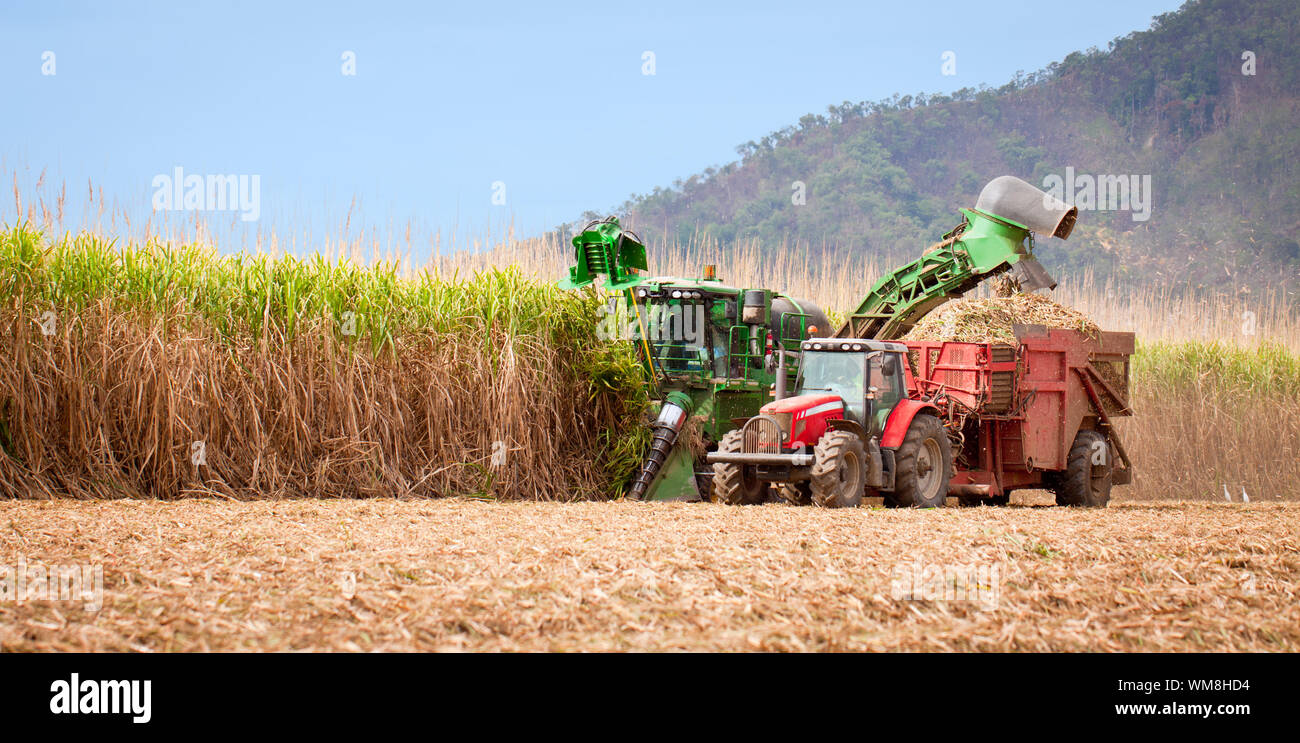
x=642, y=293
x=677, y=293
x=784, y=420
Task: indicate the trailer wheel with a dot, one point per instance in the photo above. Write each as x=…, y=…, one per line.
x=795, y=493
x=923, y=465
x=838, y=471
x=736, y=484
x=1085, y=482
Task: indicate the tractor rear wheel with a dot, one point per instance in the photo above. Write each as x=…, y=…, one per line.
x=795, y=493
x=1087, y=478
x=922, y=466
x=838, y=471
x=736, y=484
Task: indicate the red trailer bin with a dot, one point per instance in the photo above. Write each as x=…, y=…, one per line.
x=1015, y=411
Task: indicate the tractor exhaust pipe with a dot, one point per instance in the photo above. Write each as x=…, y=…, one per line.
x=666, y=429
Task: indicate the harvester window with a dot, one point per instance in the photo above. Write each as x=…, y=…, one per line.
x=678, y=336
x=718, y=342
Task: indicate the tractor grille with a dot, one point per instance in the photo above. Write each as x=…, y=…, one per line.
x=762, y=435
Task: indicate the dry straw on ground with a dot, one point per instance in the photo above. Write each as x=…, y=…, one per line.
x=457, y=574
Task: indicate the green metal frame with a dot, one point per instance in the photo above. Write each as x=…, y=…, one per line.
x=981, y=247
x=605, y=248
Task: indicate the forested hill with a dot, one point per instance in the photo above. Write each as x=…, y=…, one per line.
x=1177, y=103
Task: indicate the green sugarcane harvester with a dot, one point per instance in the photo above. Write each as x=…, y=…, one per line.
x=718, y=353
x=707, y=346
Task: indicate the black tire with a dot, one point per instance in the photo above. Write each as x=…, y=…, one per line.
x=922, y=466
x=839, y=471
x=736, y=484
x=1084, y=484
x=796, y=493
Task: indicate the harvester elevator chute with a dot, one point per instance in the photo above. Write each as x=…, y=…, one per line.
x=993, y=238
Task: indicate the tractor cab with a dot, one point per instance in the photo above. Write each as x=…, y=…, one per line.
x=857, y=380
x=866, y=375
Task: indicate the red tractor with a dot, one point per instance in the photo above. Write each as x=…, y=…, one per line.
x=917, y=422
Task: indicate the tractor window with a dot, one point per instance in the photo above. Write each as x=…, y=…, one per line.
x=887, y=377
x=840, y=373
x=885, y=373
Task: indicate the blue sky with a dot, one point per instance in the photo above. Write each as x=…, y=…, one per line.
x=449, y=98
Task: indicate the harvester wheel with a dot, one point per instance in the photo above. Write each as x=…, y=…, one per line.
x=736, y=484
x=1087, y=478
x=838, y=471
x=923, y=465
x=795, y=493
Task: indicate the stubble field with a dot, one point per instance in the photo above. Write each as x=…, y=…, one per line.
x=458, y=574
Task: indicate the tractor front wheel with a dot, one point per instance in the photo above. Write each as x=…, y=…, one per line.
x=838, y=471
x=923, y=465
x=736, y=484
